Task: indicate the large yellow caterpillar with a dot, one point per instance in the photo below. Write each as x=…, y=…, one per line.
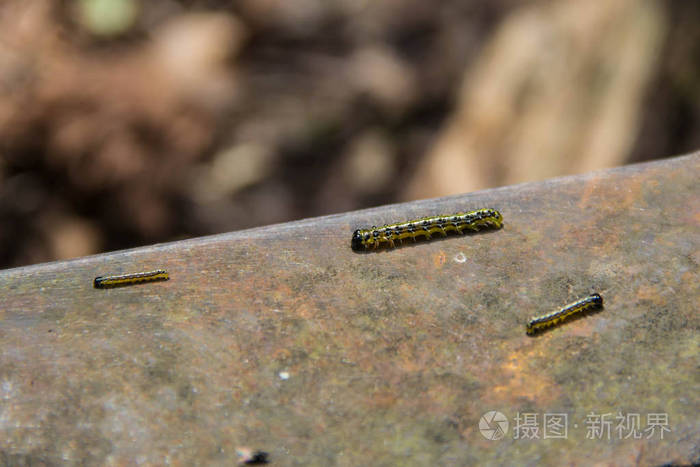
x=364, y=239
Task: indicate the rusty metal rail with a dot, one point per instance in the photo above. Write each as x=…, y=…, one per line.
x=283, y=339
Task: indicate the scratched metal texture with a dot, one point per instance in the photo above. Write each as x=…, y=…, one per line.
x=283, y=339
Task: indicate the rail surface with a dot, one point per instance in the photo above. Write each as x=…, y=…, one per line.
x=284, y=339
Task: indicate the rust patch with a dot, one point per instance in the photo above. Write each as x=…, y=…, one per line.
x=519, y=380
x=439, y=259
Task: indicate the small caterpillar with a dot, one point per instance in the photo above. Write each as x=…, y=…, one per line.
x=592, y=302
x=108, y=282
x=364, y=239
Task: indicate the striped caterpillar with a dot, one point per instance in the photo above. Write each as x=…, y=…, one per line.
x=592, y=302
x=108, y=282
x=364, y=239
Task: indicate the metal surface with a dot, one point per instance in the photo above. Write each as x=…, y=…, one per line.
x=284, y=339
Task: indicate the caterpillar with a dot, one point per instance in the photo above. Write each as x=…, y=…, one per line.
x=108, y=282
x=364, y=239
x=592, y=302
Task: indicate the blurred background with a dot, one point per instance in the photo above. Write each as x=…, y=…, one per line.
x=128, y=122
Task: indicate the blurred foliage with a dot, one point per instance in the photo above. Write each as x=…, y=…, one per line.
x=107, y=17
x=124, y=123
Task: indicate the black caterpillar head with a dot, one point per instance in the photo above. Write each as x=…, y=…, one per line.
x=597, y=299
x=357, y=237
